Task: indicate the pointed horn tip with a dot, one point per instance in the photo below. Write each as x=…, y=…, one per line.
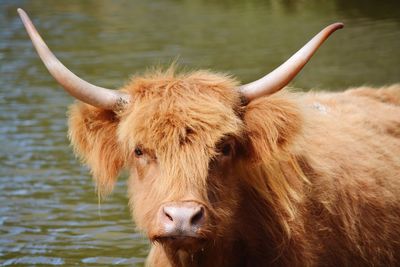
x=337, y=25
x=21, y=12
x=24, y=17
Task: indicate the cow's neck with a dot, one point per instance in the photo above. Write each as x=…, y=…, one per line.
x=269, y=232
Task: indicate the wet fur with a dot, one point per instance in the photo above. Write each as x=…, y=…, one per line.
x=307, y=186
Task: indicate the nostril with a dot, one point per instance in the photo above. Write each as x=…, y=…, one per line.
x=168, y=215
x=197, y=217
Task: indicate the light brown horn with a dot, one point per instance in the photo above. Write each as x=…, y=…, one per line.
x=282, y=75
x=75, y=86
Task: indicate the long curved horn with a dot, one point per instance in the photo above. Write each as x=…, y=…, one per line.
x=282, y=75
x=75, y=86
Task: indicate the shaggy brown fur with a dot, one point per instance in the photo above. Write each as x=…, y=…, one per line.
x=312, y=179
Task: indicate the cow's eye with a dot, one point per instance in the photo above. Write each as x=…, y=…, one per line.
x=138, y=152
x=226, y=149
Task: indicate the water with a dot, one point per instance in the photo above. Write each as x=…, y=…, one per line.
x=49, y=213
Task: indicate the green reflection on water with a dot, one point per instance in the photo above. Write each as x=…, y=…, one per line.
x=49, y=212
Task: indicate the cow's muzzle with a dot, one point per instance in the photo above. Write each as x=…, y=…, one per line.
x=182, y=224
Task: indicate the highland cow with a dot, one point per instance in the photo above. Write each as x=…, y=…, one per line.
x=223, y=174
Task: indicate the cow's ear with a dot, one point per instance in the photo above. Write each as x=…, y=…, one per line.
x=272, y=123
x=92, y=132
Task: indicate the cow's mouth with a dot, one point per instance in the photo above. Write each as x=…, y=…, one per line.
x=182, y=242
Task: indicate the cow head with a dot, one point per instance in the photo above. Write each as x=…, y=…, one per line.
x=178, y=137
x=176, y=141
x=182, y=137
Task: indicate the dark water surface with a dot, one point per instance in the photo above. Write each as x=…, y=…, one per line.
x=49, y=213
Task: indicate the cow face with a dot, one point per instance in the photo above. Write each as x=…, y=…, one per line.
x=182, y=135
x=179, y=139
